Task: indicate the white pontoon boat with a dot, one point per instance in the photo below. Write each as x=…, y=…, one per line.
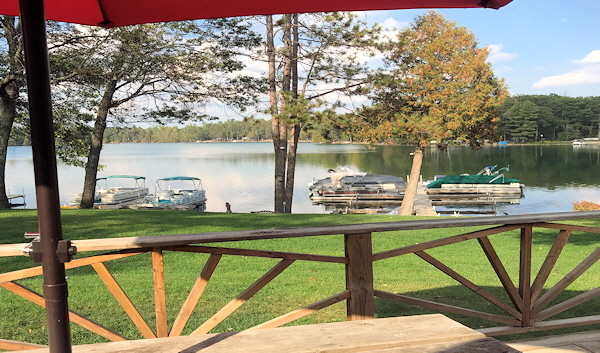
x=115, y=195
x=180, y=192
x=344, y=184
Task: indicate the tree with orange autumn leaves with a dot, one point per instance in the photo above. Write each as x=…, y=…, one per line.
x=437, y=86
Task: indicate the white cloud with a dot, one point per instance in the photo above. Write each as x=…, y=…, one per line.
x=570, y=78
x=591, y=58
x=391, y=24
x=496, y=53
x=589, y=73
x=390, y=28
x=253, y=68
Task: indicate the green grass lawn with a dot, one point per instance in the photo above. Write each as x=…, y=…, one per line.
x=302, y=283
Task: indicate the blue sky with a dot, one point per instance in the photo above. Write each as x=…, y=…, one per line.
x=538, y=47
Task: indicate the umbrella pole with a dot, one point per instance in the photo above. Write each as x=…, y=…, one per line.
x=46, y=180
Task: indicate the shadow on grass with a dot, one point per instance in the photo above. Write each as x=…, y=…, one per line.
x=462, y=297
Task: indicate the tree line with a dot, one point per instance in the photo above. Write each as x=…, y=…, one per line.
x=229, y=130
x=527, y=118
x=522, y=118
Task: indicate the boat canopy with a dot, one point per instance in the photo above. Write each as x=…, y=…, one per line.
x=179, y=178
x=122, y=176
x=471, y=179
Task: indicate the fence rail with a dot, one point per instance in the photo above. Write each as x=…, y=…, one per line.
x=530, y=300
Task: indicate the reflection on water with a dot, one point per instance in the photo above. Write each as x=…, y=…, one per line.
x=242, y=173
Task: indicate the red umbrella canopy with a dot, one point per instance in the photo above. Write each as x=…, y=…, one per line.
x=116, y=13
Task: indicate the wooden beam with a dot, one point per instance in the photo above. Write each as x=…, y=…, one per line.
x=568, y=304
x=242, y=298
x=359, y=277
x=37, y=271
x=80, y=320
x=160, y=298
x=18, y=346
x=258, y=253
x=565, y=281
x=549, y=262
x=525, y=274
x=465, y=282
x=441, y=242
x=501, y=272
x=214, y=237
x=309, y=309
x=571, y=227
x=104, y=257
x=194, y=295
x=446, y=307
x=123, y=300
x=20, y=274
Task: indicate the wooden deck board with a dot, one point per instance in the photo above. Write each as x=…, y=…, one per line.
x=397, y=334
x=575, y=342
x=481, y=345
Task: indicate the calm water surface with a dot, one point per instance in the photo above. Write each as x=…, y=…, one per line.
x=242, y=173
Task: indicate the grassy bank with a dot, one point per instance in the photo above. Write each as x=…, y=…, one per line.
x=299, y=285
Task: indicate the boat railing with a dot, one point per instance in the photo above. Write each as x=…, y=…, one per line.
x=487, y=170
x=500, y=174
x=372, y=265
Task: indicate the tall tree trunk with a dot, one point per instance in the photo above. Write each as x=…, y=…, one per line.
x=9, y=93
x=285, y=96
x=93, y=160
x=295, y=135
x=8, y=112
x=285, y=157
x=413, y=182
x=291, y=168
x=276, y=128
x=280, y=146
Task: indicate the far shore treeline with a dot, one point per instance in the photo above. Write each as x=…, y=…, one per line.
x=524, y=118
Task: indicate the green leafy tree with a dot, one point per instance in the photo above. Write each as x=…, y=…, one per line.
x=157, y=72
x=438, y=87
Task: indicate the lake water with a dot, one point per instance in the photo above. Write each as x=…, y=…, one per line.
x=242, y=173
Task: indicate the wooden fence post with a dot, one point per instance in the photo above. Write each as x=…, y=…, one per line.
x=525, y=274
x=160, y=301
x=359, y=276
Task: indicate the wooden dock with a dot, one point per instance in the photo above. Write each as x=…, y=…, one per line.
x=423, y=205
x=13, y=203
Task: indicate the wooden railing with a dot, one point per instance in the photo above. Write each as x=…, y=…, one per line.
x=529, y=296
